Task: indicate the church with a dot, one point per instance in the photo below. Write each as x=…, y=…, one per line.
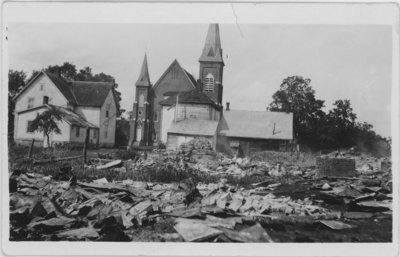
x=178, y=108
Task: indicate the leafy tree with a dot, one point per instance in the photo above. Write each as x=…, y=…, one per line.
x=46, y=122
x=16, y=81
x=297, y=96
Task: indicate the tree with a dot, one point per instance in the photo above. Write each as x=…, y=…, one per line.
x=16, y=81
x=297, y=96
x=341, y=120
x=46, y=122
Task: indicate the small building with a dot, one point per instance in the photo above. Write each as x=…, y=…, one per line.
x=82, y=104
x=243, y=132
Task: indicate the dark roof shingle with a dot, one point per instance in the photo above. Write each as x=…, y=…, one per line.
x=90, y=93
x=189, y=97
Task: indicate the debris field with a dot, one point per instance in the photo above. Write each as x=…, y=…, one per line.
x=287, y=203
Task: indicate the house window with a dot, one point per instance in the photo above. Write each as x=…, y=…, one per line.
x=77, y=131
x=31, y=100
x=41, y=87
x=28, y=126
x=45, y=99
x=209, y=83
x=107, y=114
x=155, y=116
x=155, y=136
x=94, y=134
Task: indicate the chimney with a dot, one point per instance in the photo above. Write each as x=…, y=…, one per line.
x=227, y=106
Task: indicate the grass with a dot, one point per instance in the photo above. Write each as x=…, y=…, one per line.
x=163, y=171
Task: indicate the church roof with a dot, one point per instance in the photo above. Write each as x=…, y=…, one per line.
x=257, y=124
x=194, y=127
x=194, y=96
x=189, y=76
x=212, y=51
x=144, y=78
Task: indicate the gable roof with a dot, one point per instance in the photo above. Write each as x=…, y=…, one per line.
x=188, y=75
x=194, y=127
x=89, y=93
x=84, y=93
x=257, y=124
x=194, y=96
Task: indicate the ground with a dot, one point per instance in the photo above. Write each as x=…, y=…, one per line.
x=195, y=194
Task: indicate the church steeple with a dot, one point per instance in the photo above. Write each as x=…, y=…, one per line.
x=144, y=78
x=212, y=65
x=212, y=51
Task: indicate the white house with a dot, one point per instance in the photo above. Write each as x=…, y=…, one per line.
x=81, y=103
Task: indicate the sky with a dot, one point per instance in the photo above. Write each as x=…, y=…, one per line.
x=343, y=61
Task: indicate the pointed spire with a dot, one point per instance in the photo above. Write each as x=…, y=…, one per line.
x=212, y=51
x=144, y=78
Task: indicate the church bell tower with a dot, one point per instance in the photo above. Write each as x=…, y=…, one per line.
x=139, y=134
x=212, y=65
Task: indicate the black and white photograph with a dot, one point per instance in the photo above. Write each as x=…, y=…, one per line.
x=217, y=130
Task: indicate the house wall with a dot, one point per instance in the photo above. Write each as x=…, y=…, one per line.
x=35, y=92
x=91, y=114
x=39, y=88
x=93, y=135
x=108, y=125
x=22, y=134
x=185, y=111
x=167, y=117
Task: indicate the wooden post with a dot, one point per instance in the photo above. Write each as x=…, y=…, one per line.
x=31, y=148
x=85, y=146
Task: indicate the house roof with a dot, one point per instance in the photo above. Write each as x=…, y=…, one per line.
x=144, y=78
x=89, y=93
x=85, y=93
x=71, y=117
x=257, y=124
x=212, y=51
x=194, y=127
x=194, y=96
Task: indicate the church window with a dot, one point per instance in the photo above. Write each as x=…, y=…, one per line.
x=209, y=83
x=155, y=116
x=107, y=113
x=141, y=100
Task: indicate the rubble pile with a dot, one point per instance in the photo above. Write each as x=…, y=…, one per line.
x=62, y=208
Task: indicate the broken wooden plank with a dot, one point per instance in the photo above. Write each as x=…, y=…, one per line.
x=109, y=165
x=56, y=159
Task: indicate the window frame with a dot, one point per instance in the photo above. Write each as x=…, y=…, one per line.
x=209, y=83
x=27, y=127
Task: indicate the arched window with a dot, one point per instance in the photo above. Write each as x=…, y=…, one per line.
x=141, y=100
x=209, y=83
